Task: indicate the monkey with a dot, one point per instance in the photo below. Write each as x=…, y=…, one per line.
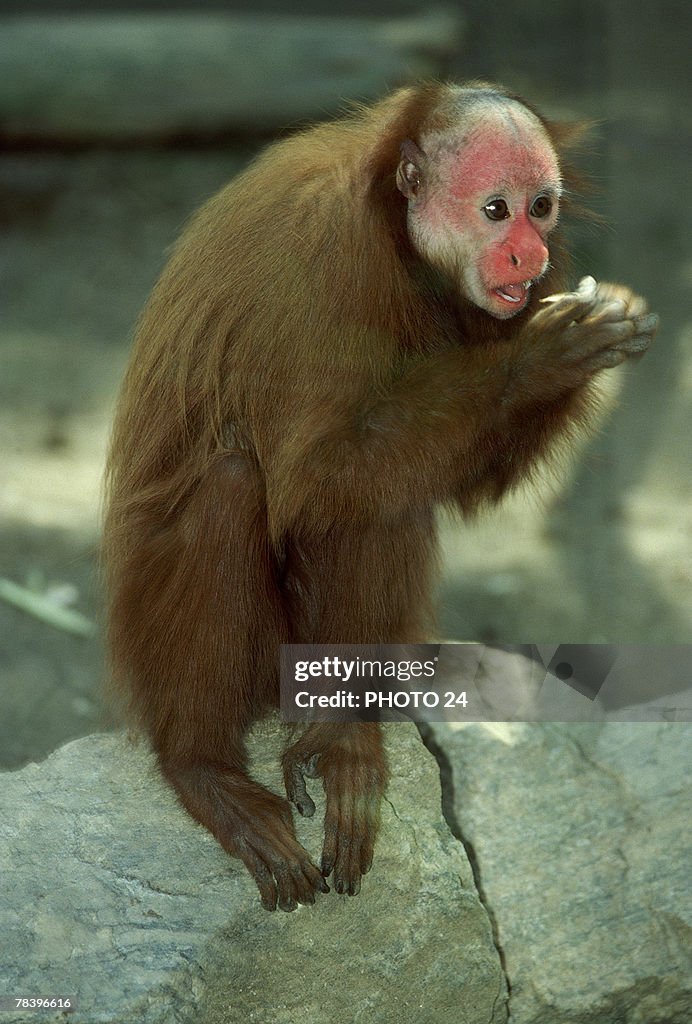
x=371, y=321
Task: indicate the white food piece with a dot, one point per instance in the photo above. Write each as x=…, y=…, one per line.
x=586, y=292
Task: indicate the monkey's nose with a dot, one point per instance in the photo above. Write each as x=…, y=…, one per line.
x=532, y=259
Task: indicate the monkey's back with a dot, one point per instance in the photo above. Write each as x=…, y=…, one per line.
x=285, y=292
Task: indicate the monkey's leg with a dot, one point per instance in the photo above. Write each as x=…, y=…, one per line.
x=197, y=621
x=370, y=585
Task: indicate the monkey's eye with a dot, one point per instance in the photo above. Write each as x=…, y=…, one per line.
x=542, y=206
x=496, y=209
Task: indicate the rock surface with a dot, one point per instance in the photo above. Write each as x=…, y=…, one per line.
x=581, y=834
x=112, y=893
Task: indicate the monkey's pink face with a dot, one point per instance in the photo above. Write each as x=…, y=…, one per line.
x=483, y=211
x=503, y=204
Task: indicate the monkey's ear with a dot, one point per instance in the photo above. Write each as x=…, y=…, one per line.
x=409, y=176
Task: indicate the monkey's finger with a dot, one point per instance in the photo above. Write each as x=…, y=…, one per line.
x=338, y=806
x=354, y=859
x=365, y=847
x=366, y=857
x=286, y=900
x=347, y=868
x=566, y=309
x=311, y=766
x=329, y=846
x=642, y=341
x=296, y=790
x=315, y=878
x=590, y=337
x=631, y=348
x=635, y=305
x=348, y=850
x=645, y=328
x=647, y=324
x=337, y=834
x=261, y=874
x=298, y=880
x=283, y=871
x=605, y=360
x=610, y=311
x=268, y=892
x=291, y=883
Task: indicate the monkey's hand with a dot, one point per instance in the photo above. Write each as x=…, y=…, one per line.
x=350, y=761
x=578, y=333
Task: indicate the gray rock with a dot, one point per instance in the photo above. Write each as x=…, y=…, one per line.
x=581, y=834
x=159, y=76
x=112, y=893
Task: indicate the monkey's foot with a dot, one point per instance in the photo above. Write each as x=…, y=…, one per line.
x=254, y=824
x=350, y=762
x=281, y=867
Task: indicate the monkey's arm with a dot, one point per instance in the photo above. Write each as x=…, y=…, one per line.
x=450, y=418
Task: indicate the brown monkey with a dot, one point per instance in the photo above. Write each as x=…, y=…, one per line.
x=346, y=336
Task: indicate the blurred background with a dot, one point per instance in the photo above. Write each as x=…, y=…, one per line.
x=117, y=120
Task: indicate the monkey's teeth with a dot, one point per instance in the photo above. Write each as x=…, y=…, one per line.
x=514, y=292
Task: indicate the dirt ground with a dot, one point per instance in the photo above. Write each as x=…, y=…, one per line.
x=85, y=236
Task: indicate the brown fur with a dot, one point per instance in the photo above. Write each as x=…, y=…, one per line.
x=302, y=394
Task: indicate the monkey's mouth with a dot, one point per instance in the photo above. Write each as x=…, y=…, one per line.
x=513, y=294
